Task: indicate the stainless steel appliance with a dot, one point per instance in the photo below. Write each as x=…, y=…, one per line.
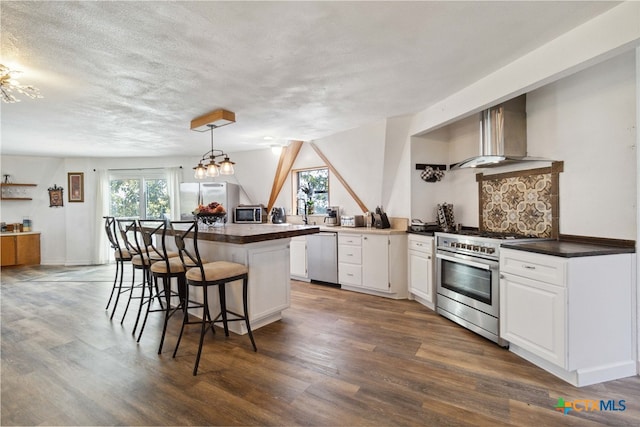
x=322, y=257
x=278, y=216
x=333, y=216
x=468, y=282
x=193, y=194
x=250, y=214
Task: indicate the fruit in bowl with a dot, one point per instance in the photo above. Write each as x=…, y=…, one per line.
x=212, y=209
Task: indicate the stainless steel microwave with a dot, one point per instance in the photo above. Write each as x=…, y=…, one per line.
x=254, y=214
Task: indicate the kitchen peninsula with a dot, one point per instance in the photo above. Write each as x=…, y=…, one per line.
x=264, y=248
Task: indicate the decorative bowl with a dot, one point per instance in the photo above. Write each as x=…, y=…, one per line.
x=212, y=220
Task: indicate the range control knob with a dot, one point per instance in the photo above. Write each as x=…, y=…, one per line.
x=491, y=250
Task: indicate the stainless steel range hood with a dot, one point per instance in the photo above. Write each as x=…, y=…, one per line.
x=503, y=136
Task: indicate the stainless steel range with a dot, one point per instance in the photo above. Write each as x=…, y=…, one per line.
x=468, y=280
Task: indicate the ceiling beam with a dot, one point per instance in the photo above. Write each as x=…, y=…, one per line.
x=287, y=158
x=334, y=171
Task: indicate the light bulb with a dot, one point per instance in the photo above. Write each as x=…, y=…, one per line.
x=199, y=171
x=226, y=167
x=212, y=169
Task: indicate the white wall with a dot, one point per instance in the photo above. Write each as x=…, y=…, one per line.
x=589, y=121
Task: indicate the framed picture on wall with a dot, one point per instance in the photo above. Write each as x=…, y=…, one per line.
x=76, y=186
x=55, y=197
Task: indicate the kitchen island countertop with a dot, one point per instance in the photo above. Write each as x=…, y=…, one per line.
x=252, y=233
x=564, y=249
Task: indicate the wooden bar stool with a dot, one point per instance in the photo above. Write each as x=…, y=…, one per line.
x=203, y=276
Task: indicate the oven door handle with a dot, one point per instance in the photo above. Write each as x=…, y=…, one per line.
x=483, y=266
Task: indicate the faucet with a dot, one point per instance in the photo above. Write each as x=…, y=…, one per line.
x=305, y=218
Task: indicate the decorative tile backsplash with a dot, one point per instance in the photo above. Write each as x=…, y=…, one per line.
x=518, y=204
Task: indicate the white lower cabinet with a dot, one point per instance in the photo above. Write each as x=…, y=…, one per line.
x=371, y=263
x=533, y=316
x=350, y=259
x=420, y=260
x=570, y=316
x=375, y=263
x=298, y=258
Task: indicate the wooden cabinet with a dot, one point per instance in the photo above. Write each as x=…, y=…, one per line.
x=8, y=250
x=373, y=263
x=298, y=258
x=21, y=249
x=420, y=269
x=15, y=191
x=570, y=316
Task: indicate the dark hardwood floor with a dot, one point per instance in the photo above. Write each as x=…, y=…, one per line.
x=337, y=358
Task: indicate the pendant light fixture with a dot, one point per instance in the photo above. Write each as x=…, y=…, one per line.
x=209, y=122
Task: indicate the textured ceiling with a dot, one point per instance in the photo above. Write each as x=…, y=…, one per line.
x=126, y=78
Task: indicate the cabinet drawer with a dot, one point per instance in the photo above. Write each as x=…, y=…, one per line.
x=350, y=274
x=349, y=239
x=350, y=254
x=544, y=268
x=421, y=245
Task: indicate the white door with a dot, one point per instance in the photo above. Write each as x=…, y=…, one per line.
x=421, y=275
x=298, y=256
x=375, y=262
x=533, y=316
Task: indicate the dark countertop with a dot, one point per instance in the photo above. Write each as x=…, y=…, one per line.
x=568, y=249
x=251, y=233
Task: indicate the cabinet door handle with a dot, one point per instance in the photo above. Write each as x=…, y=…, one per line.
x=528, y=267
x=365, y=238
x=502, y=276
x=350, y=274
x=429, y=257
x=418, y=244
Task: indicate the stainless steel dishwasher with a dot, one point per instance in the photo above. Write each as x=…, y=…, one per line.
x=322, y=257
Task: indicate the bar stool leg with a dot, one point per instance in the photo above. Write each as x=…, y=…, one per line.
x=113, y=288
x=245, y=305
x=185, y=319
x=149, y=301
x=132, y=287
x=120, y=272
x=166, y=282
x=145, y=283
x=203, y=331
x=223, y=307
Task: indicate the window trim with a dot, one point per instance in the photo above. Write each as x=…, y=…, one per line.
x=295, y=189
x=139, y=174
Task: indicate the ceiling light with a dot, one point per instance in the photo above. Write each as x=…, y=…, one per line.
x=216, y=119
x=212, y=169
x=8, y=85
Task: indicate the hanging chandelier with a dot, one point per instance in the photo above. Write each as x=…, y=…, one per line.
x=8, y=85
x=207, y=166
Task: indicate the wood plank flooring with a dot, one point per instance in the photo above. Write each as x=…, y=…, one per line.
x=337, y=358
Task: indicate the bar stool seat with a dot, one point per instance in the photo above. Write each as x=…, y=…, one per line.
x=215, y=271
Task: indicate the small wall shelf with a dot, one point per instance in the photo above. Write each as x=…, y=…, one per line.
x=4, y=185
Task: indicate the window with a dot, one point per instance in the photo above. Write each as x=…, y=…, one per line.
x=312, y=191
x=139, y=194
